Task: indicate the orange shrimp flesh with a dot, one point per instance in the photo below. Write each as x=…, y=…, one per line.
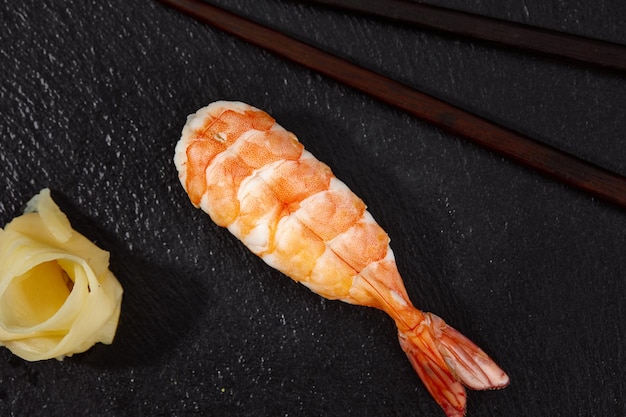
x=253, y=177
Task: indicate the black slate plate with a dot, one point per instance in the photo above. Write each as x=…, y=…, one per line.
x=94, y=95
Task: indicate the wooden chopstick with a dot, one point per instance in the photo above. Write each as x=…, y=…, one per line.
x=527, y=38
x=548, y=160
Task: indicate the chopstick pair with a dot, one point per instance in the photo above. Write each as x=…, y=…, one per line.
x=546, y=159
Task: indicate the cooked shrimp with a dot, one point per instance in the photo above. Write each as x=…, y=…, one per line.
x=254, y=178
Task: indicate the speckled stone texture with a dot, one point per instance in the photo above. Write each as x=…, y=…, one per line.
x=93, y=97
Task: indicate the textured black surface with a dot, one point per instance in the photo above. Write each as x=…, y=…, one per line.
x=93, y=97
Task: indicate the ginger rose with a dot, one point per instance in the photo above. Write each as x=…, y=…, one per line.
x=57, y=295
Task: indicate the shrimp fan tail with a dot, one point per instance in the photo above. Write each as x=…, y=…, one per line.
x=445, y=361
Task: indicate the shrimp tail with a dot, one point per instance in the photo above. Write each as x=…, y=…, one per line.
x=445, y=361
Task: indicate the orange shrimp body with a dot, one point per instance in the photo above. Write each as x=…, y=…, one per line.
x=254, y=177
